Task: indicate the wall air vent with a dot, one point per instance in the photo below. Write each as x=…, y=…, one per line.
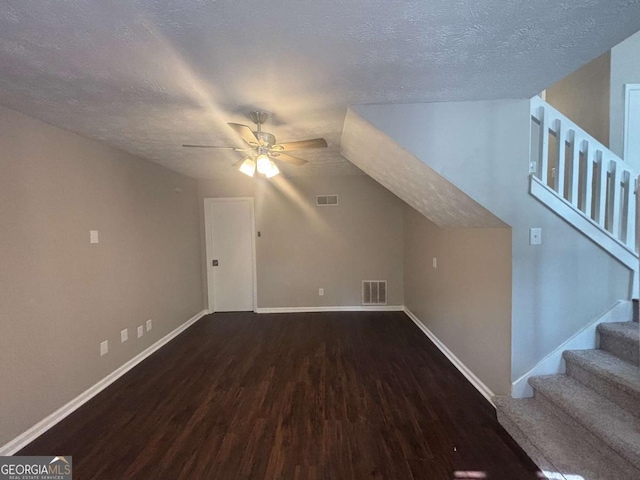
x=326, y=200
x=374, y=292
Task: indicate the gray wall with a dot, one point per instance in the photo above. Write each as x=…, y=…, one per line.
x=483, y=148
x=62, y=296
x=583, y=96
x=466, y=300
x=303, y=247
x=625, y=68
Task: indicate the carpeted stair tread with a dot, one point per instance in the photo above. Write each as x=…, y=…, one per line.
x=614, y=426
x=553, y=445
x=626, y=330
x=625, y=375
x=622, y=339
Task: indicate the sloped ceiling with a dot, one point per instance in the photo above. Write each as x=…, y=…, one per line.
x=412, y=180
x=147, y=76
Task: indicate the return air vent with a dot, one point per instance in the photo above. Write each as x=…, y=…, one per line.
x=374, y=292
x=327, y=200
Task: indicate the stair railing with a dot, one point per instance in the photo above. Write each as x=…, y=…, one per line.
x=584, y=173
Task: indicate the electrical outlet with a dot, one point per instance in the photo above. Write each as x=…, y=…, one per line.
x=321, y=292
x=149, y=324
x=434, y=262
x=93, y=236
x=124, y=335
x=104, y=348
x=535, y=236
x=140, y=331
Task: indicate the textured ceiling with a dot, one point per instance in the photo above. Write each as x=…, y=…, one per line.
x=411, y=179
x=146, y=76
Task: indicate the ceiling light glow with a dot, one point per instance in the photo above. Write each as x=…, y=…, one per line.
x=248, y=167
x=273, y=170
x=264, y=164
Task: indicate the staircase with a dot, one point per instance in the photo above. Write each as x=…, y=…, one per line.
x=584, y=425
x=523, y=163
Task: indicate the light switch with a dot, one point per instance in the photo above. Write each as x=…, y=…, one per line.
x=535, y=236
x=435, y=262
x=93, y=236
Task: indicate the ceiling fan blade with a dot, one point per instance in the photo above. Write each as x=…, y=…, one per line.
x=217, y=147
x=301, y=145
x=285, y=157
x=245, y=133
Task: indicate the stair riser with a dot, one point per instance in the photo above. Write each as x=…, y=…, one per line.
x=624, y=348
x=604, y=387
x=631, y=465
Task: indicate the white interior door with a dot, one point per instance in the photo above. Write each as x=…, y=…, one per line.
x=230, y=231
x=632, y=124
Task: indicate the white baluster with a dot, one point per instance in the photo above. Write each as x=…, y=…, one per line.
x=631, y=212
x=590, y=157
x=544, y=145
x=615, y=198
x=575, y=170
x=602, y=190
x=561, y=140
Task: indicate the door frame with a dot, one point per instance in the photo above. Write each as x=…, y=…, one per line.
x=629, y=88
x=208, y=204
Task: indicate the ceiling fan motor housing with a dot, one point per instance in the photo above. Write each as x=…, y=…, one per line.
x=265, y=139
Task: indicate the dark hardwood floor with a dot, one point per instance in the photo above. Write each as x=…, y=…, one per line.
x=296, y=396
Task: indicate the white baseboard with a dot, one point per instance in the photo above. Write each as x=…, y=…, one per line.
x=355, y=308
x=39, y=428
x=585, y=339
x=475, y=381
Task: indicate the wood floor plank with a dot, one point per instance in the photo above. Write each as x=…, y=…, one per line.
x=296, y=396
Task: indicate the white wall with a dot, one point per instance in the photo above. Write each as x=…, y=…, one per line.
x=303, y=247
x=483, y=148
x=625, y=68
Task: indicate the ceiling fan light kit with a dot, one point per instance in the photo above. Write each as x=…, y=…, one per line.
x=264, y=164
x=273, y=171
x=265, y=149
x=248, y=167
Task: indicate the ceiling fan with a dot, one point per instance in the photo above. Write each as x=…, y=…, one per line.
x=262, y=148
